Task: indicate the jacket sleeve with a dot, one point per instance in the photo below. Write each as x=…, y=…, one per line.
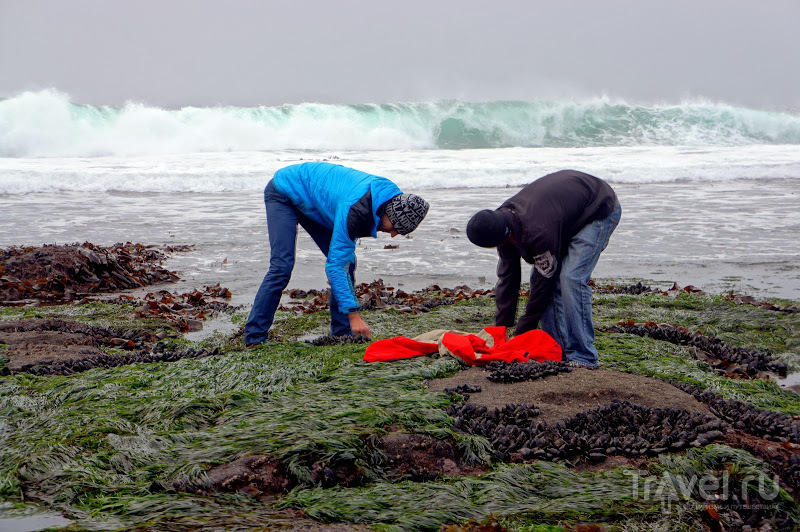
x=341, y=254
x=546, y=269
x=508, y=279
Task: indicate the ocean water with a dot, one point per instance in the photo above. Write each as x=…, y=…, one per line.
x=710, y=192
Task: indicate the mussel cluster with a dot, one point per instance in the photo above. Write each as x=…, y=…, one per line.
x=765, y=424
x=464, y=390
x=107, y=360
x=634, y=289
x=621, y=428
x=750, y=360
x=330, y=339
x=506, y=372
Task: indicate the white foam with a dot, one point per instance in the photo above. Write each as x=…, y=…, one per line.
x=219, y=172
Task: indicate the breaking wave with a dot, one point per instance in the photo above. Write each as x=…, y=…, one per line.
x=48, y=124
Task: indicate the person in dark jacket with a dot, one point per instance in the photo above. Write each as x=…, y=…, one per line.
x=336, y=206
x=560, y=224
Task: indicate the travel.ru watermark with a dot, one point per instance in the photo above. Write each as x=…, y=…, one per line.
x=753, y=491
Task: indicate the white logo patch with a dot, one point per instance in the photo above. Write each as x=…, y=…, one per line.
x=545, y=264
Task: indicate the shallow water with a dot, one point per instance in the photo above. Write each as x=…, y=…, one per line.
x=719, y=236
x=32, y=523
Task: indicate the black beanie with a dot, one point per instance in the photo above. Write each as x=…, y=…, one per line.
x=488, y=229
x=406, y=211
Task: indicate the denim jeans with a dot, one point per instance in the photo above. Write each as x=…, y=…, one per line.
x=282, y=220
x=568, y=318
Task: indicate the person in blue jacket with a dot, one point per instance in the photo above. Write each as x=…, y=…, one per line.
x=336, y=205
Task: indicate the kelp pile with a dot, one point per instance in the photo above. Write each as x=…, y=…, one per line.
x=60, y=274
x=184, y=312
x=741, y=299
x=378, y=295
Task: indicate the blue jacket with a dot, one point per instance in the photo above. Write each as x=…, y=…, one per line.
x=347, y=202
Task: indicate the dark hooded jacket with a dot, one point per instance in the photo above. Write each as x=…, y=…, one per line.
x=544, y=216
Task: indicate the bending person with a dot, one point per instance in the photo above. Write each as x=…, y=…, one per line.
x=336, y=206
x=560, y=224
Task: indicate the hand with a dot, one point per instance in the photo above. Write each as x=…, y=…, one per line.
x=357, y=325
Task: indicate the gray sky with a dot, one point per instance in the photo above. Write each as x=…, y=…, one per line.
x=173, y=53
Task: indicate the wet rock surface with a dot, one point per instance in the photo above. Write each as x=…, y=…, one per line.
x=420, y=457
x=726, y=359
x=63, y=347
x=407, y=456
x=37, y=343
x=54, y=274
x=255, y=475
x=564, y=395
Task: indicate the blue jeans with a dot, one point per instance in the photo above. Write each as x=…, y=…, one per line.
x=568, y=318
x=282, y=220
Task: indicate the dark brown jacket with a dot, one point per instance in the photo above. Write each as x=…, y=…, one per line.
x=544, y=216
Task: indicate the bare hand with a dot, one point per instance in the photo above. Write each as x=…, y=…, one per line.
x=357, y=325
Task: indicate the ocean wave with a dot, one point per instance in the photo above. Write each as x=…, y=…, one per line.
x=221, y=172
x=48, y=124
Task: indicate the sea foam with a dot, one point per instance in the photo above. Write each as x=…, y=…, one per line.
x=48, y=124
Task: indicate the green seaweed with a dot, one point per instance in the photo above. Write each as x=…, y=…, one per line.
x=102, y=445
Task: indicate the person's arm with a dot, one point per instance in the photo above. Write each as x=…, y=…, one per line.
x=341, y=254
x=509, y=275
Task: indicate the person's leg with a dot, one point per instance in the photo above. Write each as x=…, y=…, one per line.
x=577, y=327
x=552, y=321
x=340, y=323
x=282, y=219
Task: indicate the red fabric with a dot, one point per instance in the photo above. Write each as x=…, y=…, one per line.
x=397, y=348
x=498, y=333
x=532, y=345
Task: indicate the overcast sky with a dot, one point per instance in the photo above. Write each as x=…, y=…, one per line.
x=172, y=53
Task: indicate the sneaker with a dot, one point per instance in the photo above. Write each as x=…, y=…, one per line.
x=575, y=364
